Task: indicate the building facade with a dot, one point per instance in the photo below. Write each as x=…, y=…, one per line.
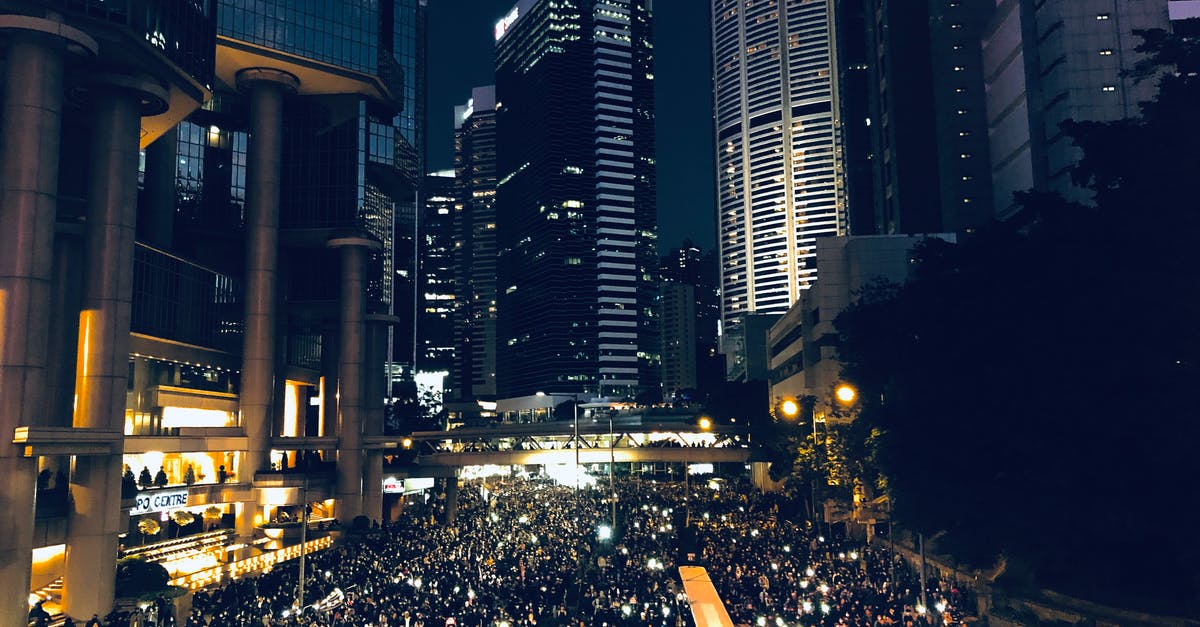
x=230, y=287
x=575, y=203
x=1048, y=62
x=802, y=344
x=926, y=115
x=435, y=324
x=474, y=371
x=678, y=305
x=779, y=153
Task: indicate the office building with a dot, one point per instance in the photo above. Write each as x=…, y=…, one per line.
x=677, y=301
x=689, y=265
x=435, y=324
x=575, y=210
x=1048, y=62
x=409, y=38
x=474, y=371
x=802, y=344
x=779, y=170
x=230, y=292
x=926, y=117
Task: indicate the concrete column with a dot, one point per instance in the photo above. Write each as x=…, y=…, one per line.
x=266, y=89
x=451, y=500
x=30, y=127
x=157, y=216
x=352, y=348
x=116, y=104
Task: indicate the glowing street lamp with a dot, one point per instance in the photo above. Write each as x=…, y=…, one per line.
x=845, y=393
x=705, y=423
x=789, y=408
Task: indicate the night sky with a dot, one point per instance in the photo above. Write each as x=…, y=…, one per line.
x=460, y=57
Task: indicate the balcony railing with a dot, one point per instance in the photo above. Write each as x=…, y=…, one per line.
x=178, y=300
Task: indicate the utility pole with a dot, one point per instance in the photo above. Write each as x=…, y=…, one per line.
x=921, y=543
x=612, y=462
x=303, y=543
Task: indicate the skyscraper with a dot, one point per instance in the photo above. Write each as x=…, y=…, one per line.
x=926, y=117
x=232, y=312
x=1047, y=62
x=474, y=372
x=779, y=156
x=575, y=200
x=435, y=322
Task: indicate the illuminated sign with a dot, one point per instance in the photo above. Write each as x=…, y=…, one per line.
x=505, y=22
x=159, y=502
x=392, y=485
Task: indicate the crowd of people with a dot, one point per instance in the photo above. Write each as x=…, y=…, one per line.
x=524, y=552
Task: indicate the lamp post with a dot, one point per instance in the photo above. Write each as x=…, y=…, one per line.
x=575, y=406
x=303, y=543
x=612, y=462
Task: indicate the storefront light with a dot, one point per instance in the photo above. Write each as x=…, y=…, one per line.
x=174, y=417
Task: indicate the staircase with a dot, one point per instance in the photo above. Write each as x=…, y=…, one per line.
x=52, y=593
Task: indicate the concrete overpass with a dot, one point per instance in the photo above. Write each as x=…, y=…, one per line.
x=595, y=441
x=689, y=455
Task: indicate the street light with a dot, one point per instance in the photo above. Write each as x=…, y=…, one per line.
x=303, y=543
x=612, y=461
x=845, y=393
x=789, y=408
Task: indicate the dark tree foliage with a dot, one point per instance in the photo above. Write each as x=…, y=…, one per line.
x=1036, y=386
x=136, y=577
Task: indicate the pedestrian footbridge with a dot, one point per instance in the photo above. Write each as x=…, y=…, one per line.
x=591, y=441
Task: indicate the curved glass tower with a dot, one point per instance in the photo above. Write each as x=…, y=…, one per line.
x=779, y=172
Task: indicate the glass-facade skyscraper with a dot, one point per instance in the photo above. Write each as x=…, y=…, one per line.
x=474, y=371
x=575, y=208
x=780, y=180
x=214, y=304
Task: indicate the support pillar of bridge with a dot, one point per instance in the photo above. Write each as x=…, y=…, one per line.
x=451, y=500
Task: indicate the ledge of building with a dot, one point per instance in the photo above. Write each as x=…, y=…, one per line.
x=312, y=479
x=190, y=440
x=304, y=443
x=38, y=441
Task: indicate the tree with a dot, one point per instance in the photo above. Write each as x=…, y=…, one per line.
x=144, y=478
x=128, y=483
x=148, y=527
x=182, y=518
x=1032, y=389
x=189, y=475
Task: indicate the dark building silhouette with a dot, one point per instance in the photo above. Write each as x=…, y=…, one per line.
x=691, y=266
x=575, y=199
x=435, y=323
x=925, y=116
x=474, y=372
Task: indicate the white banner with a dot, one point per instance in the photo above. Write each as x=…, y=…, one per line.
x=159, y=502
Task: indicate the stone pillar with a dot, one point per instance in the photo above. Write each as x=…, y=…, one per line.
x=117, y=104
x=266, y=89
x=30, y=127
x=352, y=348
x=157, y=217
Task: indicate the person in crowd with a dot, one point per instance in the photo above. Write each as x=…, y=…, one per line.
x=525, y=552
